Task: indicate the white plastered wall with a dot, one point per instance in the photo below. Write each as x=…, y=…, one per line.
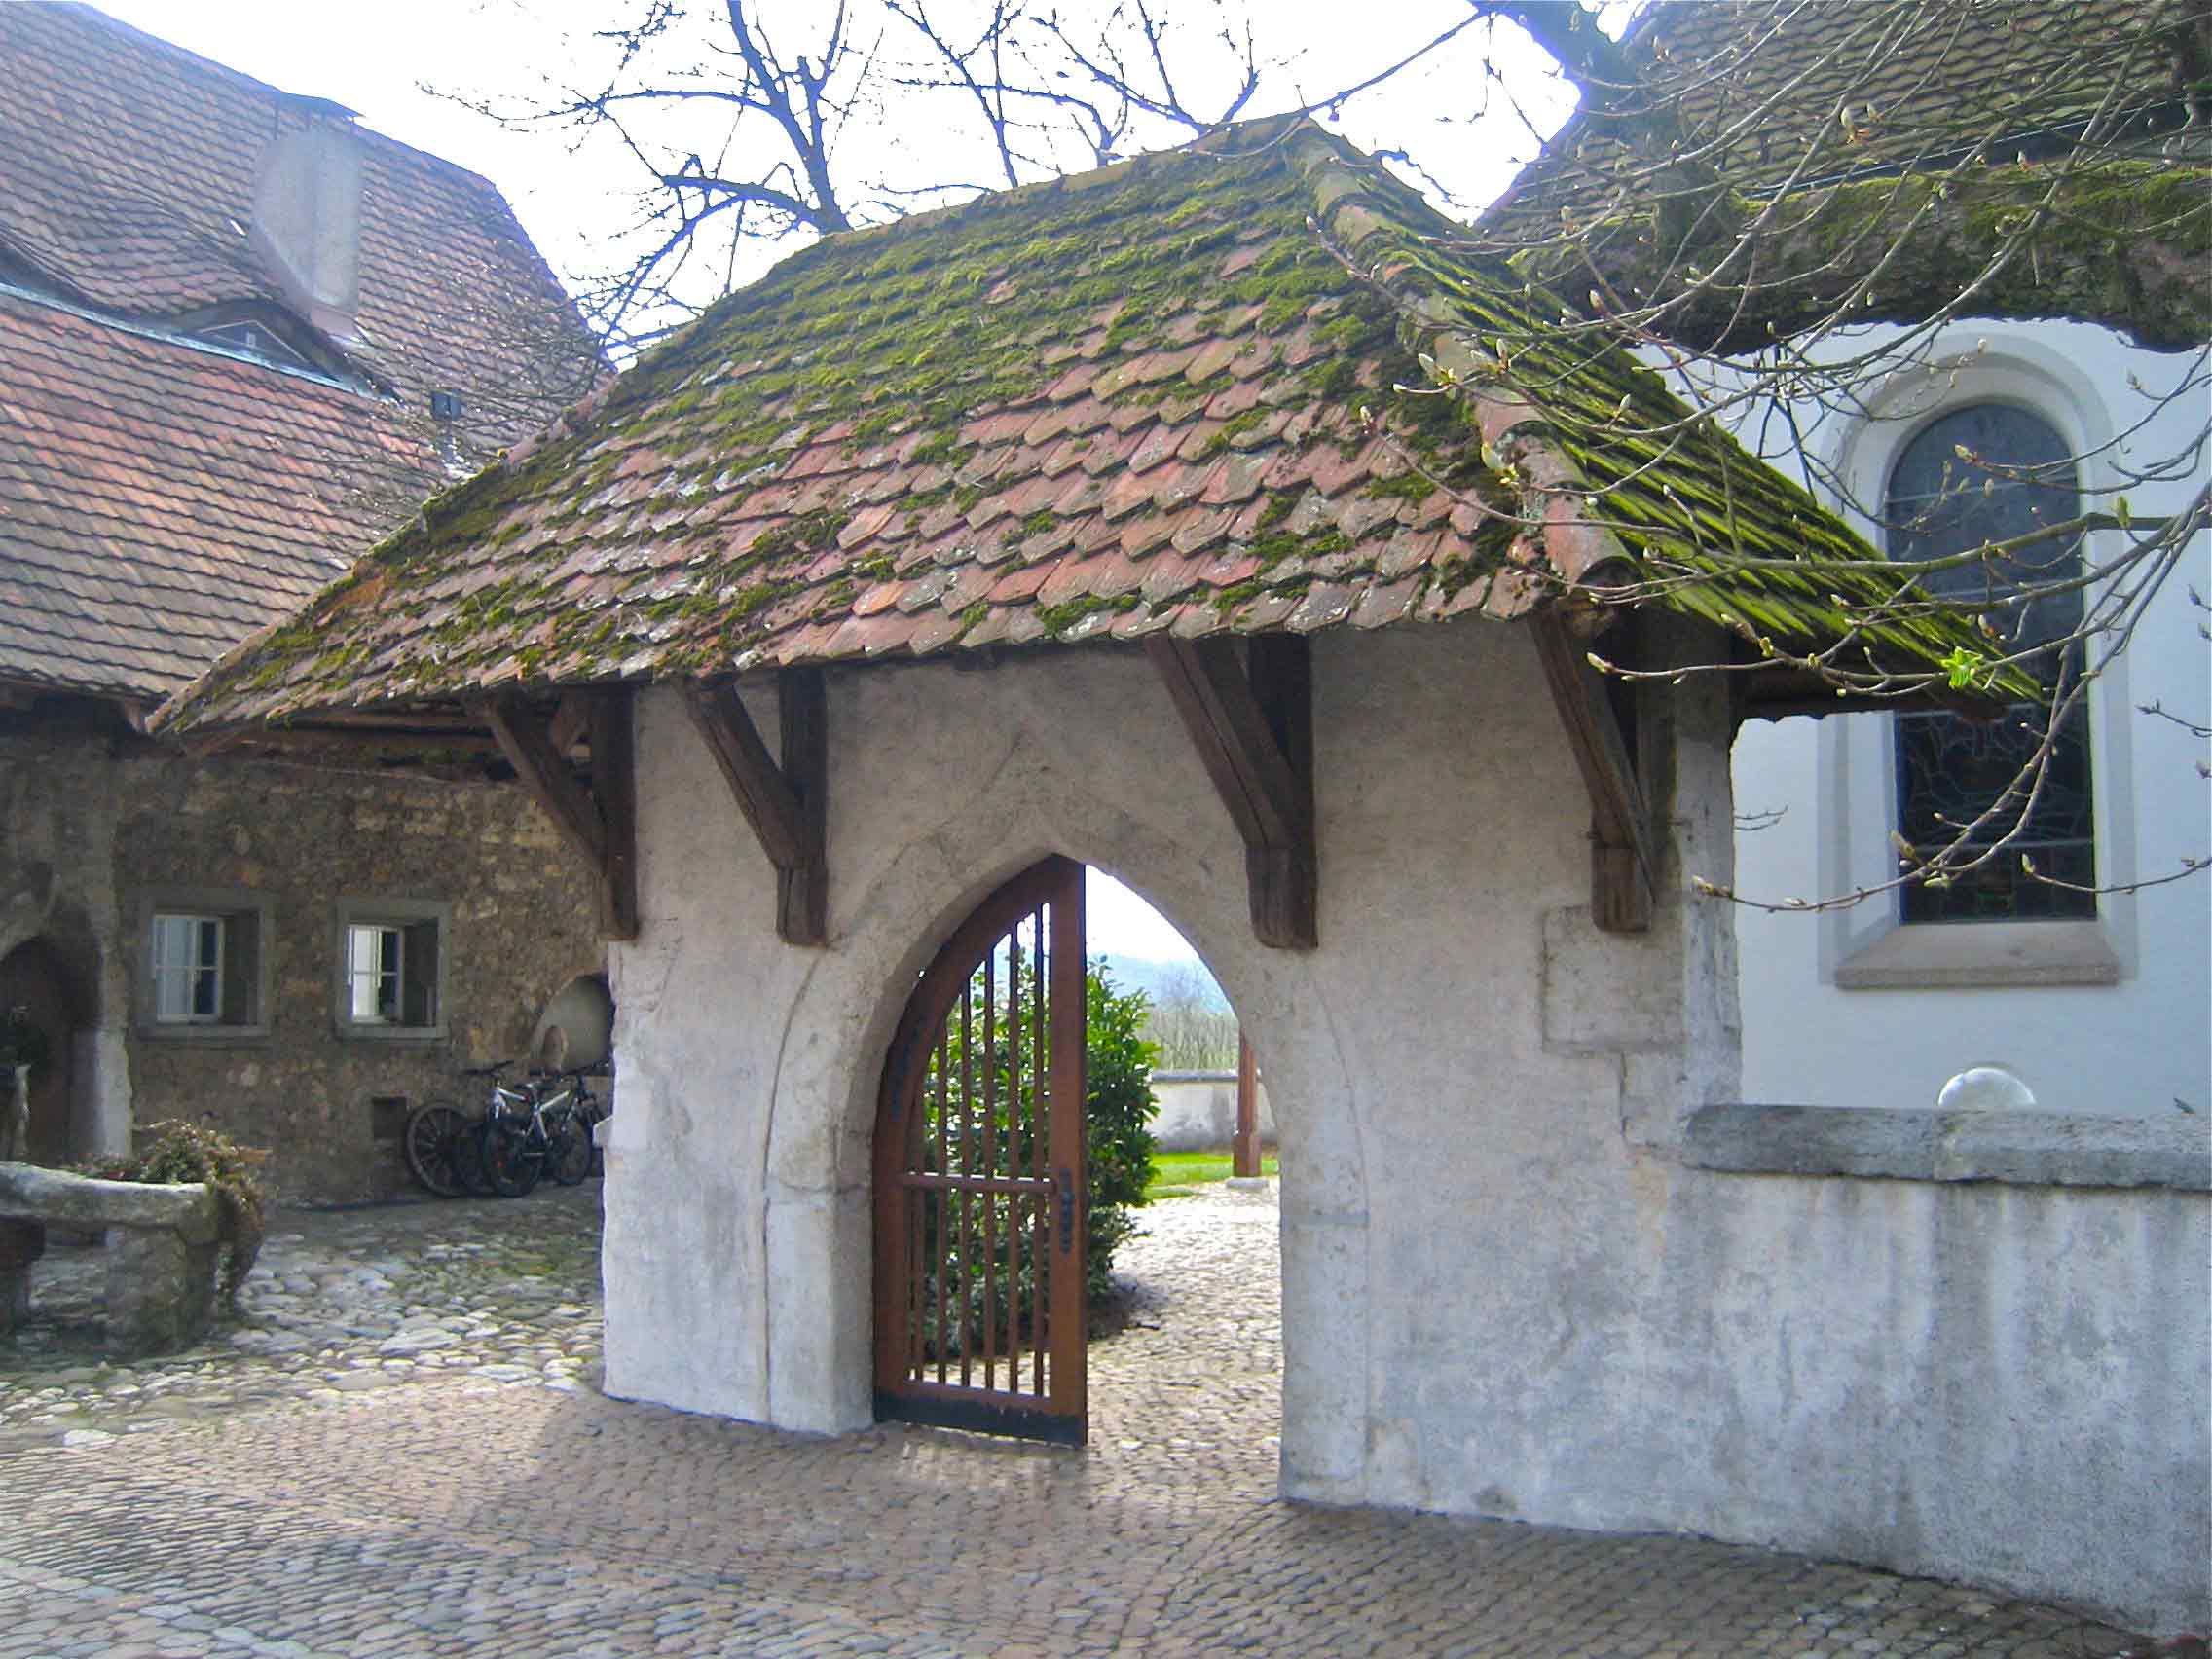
x=1502, y=1292
x=2133, y=1047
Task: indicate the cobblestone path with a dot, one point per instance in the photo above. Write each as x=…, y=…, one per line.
x=400, y=1450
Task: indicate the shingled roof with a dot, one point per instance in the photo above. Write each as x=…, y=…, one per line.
x=1785, y=94
x=127, y=168
x=1087, y=410
x=162, y=496
x=159, y=501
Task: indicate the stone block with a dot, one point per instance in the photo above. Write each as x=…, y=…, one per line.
x=161, y=1291
x=57, y=1196
x=22, y=1242
x=1609, y=993
x=2032, y=1149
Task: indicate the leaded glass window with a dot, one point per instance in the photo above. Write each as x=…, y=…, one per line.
x=1992, y=473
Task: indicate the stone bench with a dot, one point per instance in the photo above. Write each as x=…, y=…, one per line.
x=163, y=1241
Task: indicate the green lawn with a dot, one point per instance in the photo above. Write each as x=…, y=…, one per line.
x=1179, y=1174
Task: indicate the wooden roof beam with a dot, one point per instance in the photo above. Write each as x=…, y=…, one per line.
x=571, y=717
x=1624, y=857
x=786, y=804
x=600, y=820
x=1253, y=727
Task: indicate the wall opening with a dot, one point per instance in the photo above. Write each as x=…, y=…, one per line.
x=387, y=1118
x=1182, y=1331
x=1187, y=1359
x=38, y=987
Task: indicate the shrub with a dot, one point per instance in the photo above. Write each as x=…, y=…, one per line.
x=1117, y=1111
x=182, y=1152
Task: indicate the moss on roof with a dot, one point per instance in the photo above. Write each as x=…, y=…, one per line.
x=1188, y=392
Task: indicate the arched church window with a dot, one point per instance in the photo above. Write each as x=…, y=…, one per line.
x=1993, y=473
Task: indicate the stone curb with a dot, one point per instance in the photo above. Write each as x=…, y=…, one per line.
x=2032, y=1149
x=79, y=1201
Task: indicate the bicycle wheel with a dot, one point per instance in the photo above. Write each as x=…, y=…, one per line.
x=593, y=1111
x=568, y=1160
x=428, y=1144
x=512, y=1160
x=468, y=1155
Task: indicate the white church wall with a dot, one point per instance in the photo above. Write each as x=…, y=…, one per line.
x=1850, y=1009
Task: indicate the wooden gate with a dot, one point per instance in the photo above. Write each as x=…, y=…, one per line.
x=980, y=1174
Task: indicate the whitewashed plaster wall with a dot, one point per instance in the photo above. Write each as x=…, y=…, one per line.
x=1502, y=1294
x=1198, y=1110
x=2133, y=1047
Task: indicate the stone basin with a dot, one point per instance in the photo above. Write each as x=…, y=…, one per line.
x=163, y=1243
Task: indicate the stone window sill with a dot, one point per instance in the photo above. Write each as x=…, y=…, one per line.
x=353, y=1033
x=207, y=1035
x=2027, y=1149
x=1934, y=955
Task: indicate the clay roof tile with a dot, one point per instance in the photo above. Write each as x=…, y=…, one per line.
x=1077, y=453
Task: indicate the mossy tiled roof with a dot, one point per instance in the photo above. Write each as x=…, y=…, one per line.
x=1087, y=410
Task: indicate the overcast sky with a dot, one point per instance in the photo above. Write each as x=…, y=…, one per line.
x=576, y=200
x=1448, y=116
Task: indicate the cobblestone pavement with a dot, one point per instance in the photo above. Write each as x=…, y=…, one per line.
x=400, y=1450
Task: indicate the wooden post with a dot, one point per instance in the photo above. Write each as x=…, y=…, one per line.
x=614, y=789
x=1624, y=854
x=1253, y=731
x=1244, y=1147
x=599, y=822
x=788, y=803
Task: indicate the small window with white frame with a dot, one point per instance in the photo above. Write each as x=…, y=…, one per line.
x=376, y=971
x=202, y=970
x=188, y=970
x=391, y=969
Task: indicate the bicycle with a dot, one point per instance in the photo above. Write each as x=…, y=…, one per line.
x=592, y=1110
x=551, y=1139
x=444, y=1145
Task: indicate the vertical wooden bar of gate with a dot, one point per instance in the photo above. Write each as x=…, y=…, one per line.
x=1023, y=1158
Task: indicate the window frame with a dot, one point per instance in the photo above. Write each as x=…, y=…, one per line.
x=244, y=961
x=406, y=917
x=1870, y=947
x=1948, y=728
x=188, y=970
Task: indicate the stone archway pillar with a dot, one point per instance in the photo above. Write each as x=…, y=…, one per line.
x=1324, y=1386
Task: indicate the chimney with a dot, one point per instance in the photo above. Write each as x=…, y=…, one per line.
x=307, y=224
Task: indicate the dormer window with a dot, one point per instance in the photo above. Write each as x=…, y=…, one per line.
x=256, y=339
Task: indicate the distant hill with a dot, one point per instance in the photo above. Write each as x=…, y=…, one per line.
x=1156, y=978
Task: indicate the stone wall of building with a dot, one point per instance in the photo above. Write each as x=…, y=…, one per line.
x=95, y=839
x=1505, y=1291
x=58, y=796
x=520, y=925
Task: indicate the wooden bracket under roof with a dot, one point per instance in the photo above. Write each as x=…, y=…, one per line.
x=1253, y=726
x=1624, y=859
x=599, y=818
x=786, y=804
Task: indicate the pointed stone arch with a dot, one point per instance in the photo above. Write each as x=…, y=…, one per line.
x=816, y=1249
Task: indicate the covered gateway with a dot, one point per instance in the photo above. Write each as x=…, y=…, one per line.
x=1214, y=464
